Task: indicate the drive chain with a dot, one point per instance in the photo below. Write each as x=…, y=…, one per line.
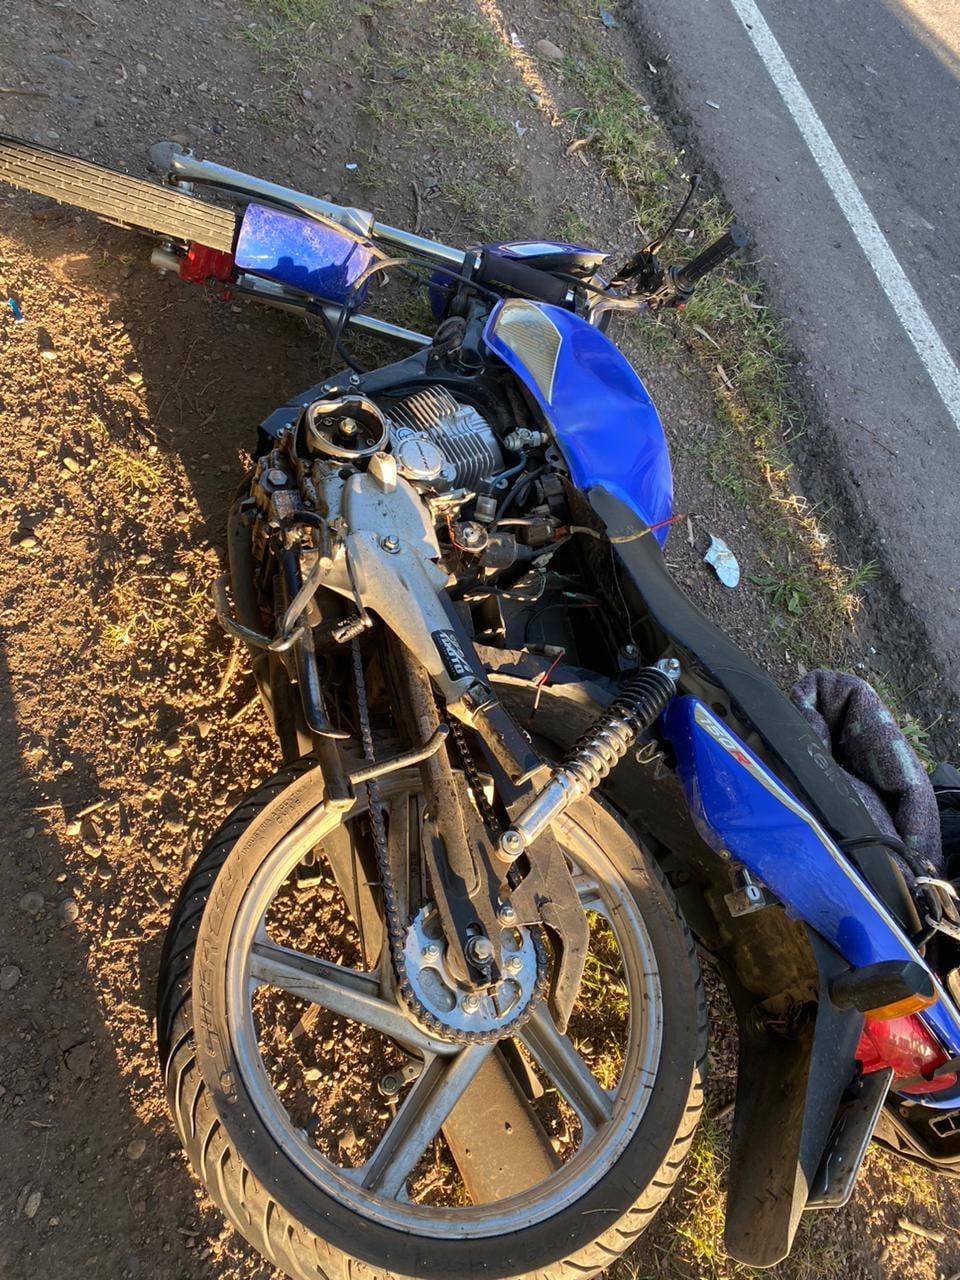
x=396, y=925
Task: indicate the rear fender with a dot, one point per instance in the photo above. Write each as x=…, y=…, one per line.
x=793, y=1070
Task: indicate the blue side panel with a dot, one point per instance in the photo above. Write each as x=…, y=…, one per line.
x=317, y=257
x=739, y=807
x=602, y=418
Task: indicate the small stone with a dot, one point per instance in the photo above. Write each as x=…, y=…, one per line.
x=47, y=353
x=79, y=1060
x=204, y=728
x=174, y=752
x=32, y=903
x=136, y=1148
x=69, y=463
x=348, y=1139
x=141, y=68
x=28, y=1200
x=10, y=975
x=69, y=911
x=73, y=828
x=27, y=541
x=100, y=121
x=135, y=378
x=179, y=576
x=547, y=49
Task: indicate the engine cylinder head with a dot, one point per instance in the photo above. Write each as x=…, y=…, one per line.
x=471, y=452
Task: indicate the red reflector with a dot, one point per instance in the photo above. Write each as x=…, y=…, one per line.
x=202, y=264
x=906, y=1045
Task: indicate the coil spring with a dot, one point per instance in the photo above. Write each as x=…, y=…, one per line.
x=631, y=713
x=349, y=629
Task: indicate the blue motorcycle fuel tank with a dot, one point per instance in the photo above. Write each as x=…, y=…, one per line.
x=598, y=410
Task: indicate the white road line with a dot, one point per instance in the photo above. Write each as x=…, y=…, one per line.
x=911, y=312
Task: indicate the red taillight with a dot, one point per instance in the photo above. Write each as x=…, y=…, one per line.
x=202, y=264
x=906, y=1045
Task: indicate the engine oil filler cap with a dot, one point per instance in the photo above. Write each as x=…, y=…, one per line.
x=418, y=458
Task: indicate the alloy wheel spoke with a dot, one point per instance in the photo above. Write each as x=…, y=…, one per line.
x=556, y=1055
x=343, y=991
x=426, y=1107
x=588, y=891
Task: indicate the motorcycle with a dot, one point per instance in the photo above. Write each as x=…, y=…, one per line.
x=430, y=1002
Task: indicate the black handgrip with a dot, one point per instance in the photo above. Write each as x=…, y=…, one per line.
x=509, y=273
x=686, y=277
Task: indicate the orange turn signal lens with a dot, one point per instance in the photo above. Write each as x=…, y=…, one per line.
x=901, y=1008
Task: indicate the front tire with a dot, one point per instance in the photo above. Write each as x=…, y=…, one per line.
x=265, y=1184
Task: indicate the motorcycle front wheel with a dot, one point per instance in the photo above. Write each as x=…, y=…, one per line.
x=328, y=1125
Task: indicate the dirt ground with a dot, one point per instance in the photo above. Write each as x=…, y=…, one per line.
x=126, y=404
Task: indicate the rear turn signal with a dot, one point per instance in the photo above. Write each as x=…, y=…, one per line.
x=901, y=1008
x=909, y=1048
x=887, y=989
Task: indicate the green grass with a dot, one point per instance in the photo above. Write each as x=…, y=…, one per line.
x=693, y=1247
x=479, y=215
x=915, y=732
x=443, y=83
x=292, y=38
x=736, y=340
x=133, y=472
x=622, y=135
x=458, y=79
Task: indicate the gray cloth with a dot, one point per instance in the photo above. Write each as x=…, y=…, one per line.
x=861, y=734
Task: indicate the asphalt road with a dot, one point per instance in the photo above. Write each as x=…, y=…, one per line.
x=883, y=76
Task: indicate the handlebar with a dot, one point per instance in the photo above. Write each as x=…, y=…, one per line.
x=668, y=288
x=509, y=273
x=687, y=276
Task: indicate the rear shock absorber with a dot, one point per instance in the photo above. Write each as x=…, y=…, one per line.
x=632, y=712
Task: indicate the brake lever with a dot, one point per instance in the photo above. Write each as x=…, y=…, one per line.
x=643, y=270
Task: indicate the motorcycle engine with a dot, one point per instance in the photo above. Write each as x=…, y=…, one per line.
x=442, y=443
x=438, y=443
